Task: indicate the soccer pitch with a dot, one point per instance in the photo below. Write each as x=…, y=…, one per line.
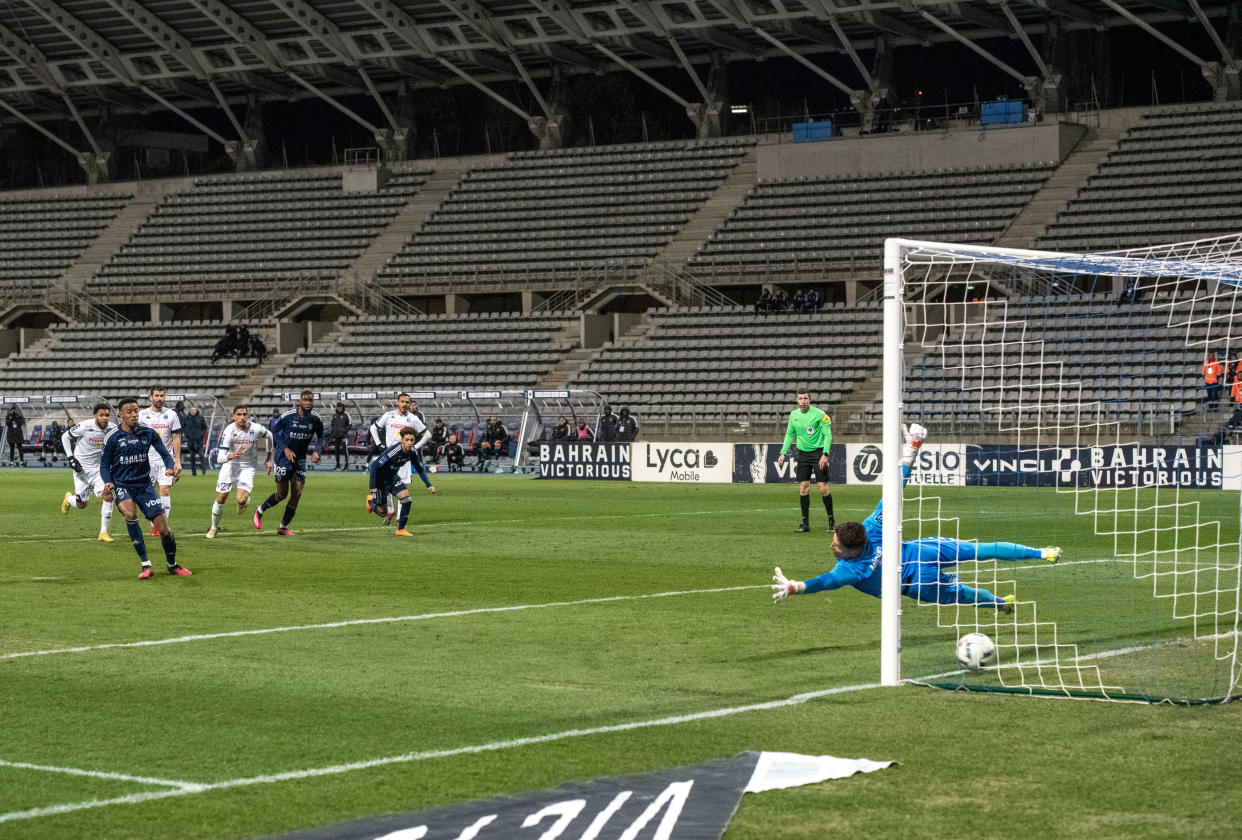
x=531, y=633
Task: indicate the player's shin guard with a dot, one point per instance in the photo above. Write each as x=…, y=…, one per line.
x=1007, y=551
x=135, y=536
x=170, y=548
x=403, y=515
x=805, y=501
x=216, y=510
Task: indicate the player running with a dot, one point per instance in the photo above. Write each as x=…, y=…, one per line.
x=125, y=468
x=856, y=546
x=238, y=456
x=386, y=432
x=168, y=425
x=811, y=430
x=83, y=443
x=292, y=433
x=386, y=479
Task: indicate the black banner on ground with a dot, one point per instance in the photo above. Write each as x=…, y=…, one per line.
x=686, y=803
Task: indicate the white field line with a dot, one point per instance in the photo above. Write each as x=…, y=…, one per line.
x=74, y=771
x=363, y=621
x=246, y=529
x=186, y=788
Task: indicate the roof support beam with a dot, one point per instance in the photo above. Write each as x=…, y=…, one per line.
x=1154, y=32
x=484, y=88
x=49, y=135
x=163, y=35
x=85, y=37
x=191, y=120
x=805, y=62
x=966, y=42
x=29, y=56
x=1226, y=54
x=1026, y=40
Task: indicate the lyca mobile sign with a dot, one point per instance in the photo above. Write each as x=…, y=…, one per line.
x=689, y=463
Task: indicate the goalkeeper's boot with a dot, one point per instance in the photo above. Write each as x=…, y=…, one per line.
x=1052, y=553
x=68, y=501
x=178, y=569
x=1007, y=606
x=804, y=527
x=211, y=533
x=401, y=532
x=145, y=574
x=105, y=537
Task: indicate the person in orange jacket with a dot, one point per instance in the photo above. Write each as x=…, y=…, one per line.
x=1212, y=372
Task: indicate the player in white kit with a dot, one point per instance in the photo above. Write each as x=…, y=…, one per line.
x=386, y=431
x=83, y=443
x=168, y=425
x=238, y=455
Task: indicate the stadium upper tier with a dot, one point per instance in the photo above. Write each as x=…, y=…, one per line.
x=500, y=351
x=1176, y=176
x=558, y=215
x=124, y=360
x=726, y=363
x=253, y=228
x=826, y=226
x=42, y=236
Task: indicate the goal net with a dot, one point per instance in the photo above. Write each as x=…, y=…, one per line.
x=1067, y=406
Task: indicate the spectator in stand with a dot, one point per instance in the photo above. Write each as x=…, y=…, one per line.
x=810, y=301
x=257, y=348
x=607, y=426
x=780, y=300
x=339, y=432
x=1236, y=393
x=1212, y=374
x=414, y=410
x=15, y=434
x=799, y=301
x=764, y=303
x=454, y=456
x=439, y=437
x=627, y=427
x=583, y=433
x=561, y=430
x=193, y=436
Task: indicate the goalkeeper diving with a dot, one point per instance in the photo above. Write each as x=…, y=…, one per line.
x=856, y=546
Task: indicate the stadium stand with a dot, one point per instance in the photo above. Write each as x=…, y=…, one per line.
x=1175, y=176
x=838, y=225
x=83, y=359
x=557, y=215
x=505, y=351
x=713, y=363
x=1130, y=371
x=254, y=227
x=41, y=236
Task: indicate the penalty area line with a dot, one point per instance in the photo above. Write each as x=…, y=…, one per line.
x=427, y=755
x=356, y=622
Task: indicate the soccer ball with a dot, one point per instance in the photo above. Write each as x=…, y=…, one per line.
x=975, y=651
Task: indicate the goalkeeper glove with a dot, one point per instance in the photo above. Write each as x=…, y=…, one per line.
x=913, y=436
x=783, y=587
x=75, y=464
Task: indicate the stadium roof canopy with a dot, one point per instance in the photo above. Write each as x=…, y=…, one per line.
x=63, y=59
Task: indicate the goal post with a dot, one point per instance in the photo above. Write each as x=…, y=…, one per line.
x=1065, y=399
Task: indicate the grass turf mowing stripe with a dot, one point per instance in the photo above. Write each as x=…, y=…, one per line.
x=361, y=621
x=336, y=769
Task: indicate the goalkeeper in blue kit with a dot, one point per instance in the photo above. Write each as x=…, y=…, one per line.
x=386, y=478
x=856, y=546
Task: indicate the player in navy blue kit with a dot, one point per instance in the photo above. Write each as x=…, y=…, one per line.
x=292, y=433
x=386, y=478
x=125, y=469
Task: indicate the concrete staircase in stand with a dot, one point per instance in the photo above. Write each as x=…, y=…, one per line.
x=1070, y=177
x=148, y=194
x=712, y=214
x=241, y=393
x=412, y=216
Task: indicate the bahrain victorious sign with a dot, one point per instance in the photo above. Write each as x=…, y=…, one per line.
x=686, y=803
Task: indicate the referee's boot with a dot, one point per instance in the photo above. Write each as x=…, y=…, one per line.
x=805, y=527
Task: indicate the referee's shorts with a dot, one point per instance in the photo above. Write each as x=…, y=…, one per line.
x=807, y=468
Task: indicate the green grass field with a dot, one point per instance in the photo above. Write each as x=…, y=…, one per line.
x=527, y=610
